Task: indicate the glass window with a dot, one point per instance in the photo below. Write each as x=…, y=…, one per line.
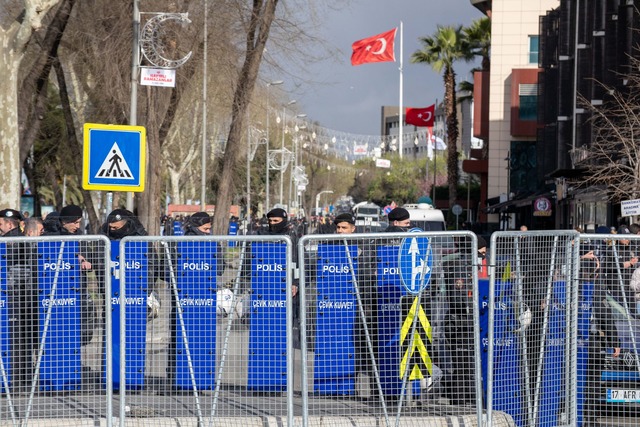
x=528, y=94
x=533, y=49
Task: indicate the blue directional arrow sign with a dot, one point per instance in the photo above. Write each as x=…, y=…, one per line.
x=114, y=157
x=414, y=262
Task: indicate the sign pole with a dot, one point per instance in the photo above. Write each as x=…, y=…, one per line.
x=135, y=60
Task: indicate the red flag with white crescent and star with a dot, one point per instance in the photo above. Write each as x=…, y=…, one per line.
x=420, y=116
x=378, y=48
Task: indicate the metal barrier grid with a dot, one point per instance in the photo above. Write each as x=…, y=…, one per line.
x=389, y=329
x=52, y=330
x=607, y=362
x=563, y=367
x=213, y=347
x=564, y=328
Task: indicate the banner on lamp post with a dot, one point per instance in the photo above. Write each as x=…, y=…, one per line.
x=157, y=77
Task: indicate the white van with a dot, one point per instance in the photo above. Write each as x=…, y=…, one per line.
x=426, y=217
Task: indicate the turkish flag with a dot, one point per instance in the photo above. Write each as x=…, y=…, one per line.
x=420, y=116
x=374, y=49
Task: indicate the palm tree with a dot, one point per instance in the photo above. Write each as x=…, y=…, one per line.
x=465, y=90
x=478, y=36
x=441, y=50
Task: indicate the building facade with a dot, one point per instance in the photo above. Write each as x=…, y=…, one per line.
x=545, y=56
x=505, y=115
x=584, y=44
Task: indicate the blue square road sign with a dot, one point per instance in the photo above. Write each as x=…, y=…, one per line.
x=114, y=157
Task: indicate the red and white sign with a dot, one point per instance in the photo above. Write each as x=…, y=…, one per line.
x=383, y=163
x=157, y=77
x=360, y=149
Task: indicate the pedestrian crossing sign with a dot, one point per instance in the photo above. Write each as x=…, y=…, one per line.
x=114, y=157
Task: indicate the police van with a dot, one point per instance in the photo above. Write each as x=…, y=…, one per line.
x=367, y=216
x=426, y=217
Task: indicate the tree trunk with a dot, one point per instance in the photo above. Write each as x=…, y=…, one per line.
x=148, y=207
x=13, y=41
x=452, y=134
x=257, y=35
x=34, y=90
x=74, y=145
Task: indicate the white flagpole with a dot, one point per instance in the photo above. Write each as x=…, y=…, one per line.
x=401, y=113
x=435, y=153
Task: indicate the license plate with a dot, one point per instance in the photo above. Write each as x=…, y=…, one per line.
x=623, y=396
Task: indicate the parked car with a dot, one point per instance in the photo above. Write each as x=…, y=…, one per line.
x=619, y=387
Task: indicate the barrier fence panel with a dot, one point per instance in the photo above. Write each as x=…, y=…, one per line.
x=52, y=326
x=412, y=328
x=531, y=327
x=608, y=365
x=210, y=345
x=388, y=325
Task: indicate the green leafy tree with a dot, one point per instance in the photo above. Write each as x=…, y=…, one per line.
x=400, y=183
x=447, y=46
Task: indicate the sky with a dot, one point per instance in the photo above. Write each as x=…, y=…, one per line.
x=351, y=97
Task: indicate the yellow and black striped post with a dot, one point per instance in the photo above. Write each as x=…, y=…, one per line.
x=415, y=332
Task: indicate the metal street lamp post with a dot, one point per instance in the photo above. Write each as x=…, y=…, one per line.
x=285, y=162
x=266, y=199
x=203, y=178
x=296, y=164
x=282, y=162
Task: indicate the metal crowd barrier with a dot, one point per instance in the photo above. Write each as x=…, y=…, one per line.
x=52, y=335
x=562, y=326
x=390, y=323
x=607, y=319
x=387, y=329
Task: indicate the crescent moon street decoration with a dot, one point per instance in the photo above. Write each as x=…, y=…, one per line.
x=279, y=159
x=383, y=46
x=158, y=40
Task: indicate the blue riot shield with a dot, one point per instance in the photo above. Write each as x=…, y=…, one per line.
x=5, y=351
x=267, y=330
x=61, y=288
x=507, y=384
x=552, y=394
x=390, y=293
x=483, y=299
x=334, y=363
x=137, y=278
x=195, y=345
x=233, y=231
x=177, y=228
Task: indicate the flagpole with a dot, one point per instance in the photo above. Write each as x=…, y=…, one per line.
x=401, y=112
x=435, y=152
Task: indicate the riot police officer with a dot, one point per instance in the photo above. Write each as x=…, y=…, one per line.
x=22, y=290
